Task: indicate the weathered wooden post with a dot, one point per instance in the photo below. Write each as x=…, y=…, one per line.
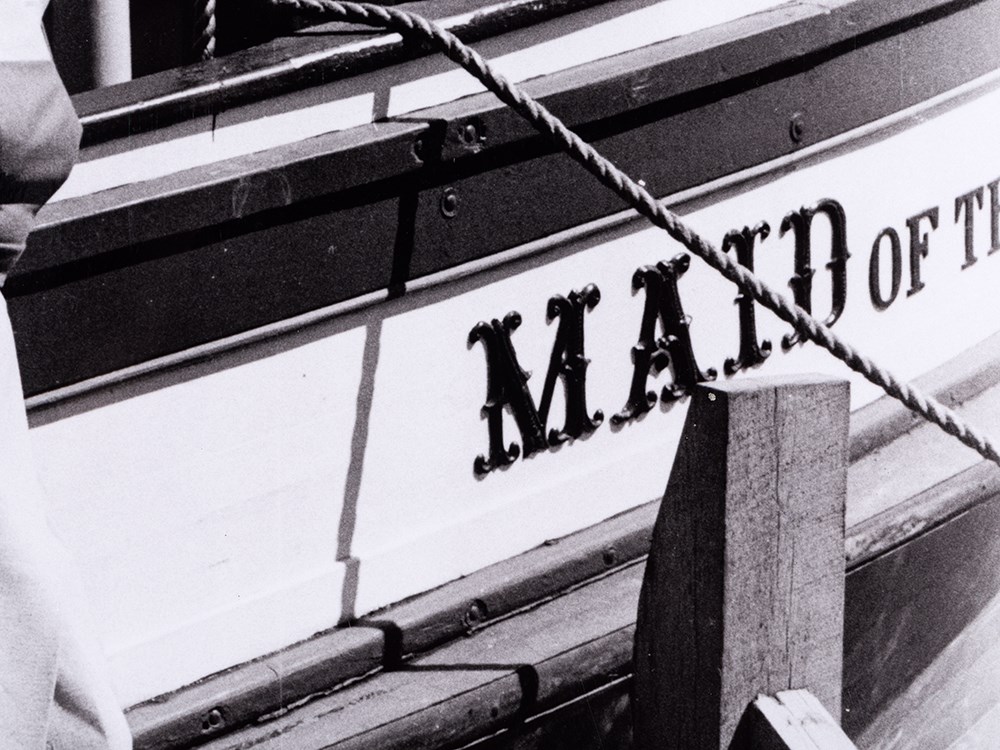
x=744, y=588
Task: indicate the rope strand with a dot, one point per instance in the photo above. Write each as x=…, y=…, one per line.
x=203, y=34
x=643, y=202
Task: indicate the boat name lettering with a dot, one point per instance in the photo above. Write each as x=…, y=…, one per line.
x=507, y=383
x=664, y=339
x=652, y=353
x=751, y=353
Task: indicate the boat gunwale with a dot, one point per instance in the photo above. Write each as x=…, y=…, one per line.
x=389, y=638
x=185, y=221
x=299, y=61
x=875, y=431
x=296, y=62
x=892, y=419
x=733, y=54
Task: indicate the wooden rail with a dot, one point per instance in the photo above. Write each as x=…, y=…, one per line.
x=743, y=592
x=795, y=720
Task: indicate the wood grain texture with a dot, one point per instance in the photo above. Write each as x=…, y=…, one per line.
x=598, y=720
x=322, y=663
x=903, y=611
x=954, y=383
x=472, y=687
x=263, y=72
x=901, y=657
x=744, y=585
x=954, y=702
x=915, y=516
x=793, y=720
x=251, y=75
x=145, y=297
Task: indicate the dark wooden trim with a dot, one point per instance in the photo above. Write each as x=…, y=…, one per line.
x=920, y=514
x=717, y=63
x=597, y=720
x=392, y=636
x=902, y=609
x=609, y=97
x=952, y=384
x=145, y=260
x=356, y=167
x=510, y=588
x=472, y=687
x=905, y=606
x=262, y=72
x=954, y=702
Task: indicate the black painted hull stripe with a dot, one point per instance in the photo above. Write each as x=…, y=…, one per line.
x=41, y=406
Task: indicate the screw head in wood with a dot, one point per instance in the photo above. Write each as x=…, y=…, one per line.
x=797, y=127
x=449, y=203
x=213, y=721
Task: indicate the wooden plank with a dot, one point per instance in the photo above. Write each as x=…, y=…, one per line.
x=247, y=76
x=228, y=129
x=343, y=162
x=518, y=668
x=968, y=375
x=598, y=720
x=794, y=720
x=251, y=690
x=177, y=94
x=139, y=261
x=896, y=651
x=933, y=486
x=955, y=701
x=915, y=516
x=744, y=584
x=906, y=606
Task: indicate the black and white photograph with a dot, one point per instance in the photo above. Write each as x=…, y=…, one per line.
x=500, y=375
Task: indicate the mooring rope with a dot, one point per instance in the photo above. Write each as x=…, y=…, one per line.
x=643, y=202
x=203, y=33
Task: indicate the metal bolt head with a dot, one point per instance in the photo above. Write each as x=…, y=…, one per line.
x=797, y=127
x=470, y=134
x=476, y=614
x=449, y=203
x=213, y=720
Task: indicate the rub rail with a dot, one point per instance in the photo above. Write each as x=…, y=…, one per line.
x=642, y=201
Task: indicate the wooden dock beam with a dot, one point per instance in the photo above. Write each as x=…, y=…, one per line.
x=744, y=587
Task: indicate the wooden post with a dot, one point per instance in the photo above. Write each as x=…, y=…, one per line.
x=744, y=587
x=793, y=720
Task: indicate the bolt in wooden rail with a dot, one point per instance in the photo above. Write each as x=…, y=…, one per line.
x=743, y=592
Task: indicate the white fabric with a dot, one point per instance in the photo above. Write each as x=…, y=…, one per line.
x=21, y=36
x=53, y=695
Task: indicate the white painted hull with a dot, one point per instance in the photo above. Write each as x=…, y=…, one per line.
x=323, y=468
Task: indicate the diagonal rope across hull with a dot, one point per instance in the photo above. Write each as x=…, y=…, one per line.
x=642, y=201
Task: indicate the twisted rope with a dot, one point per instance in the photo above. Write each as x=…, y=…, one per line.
x=203, y=36
x=643, y=202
